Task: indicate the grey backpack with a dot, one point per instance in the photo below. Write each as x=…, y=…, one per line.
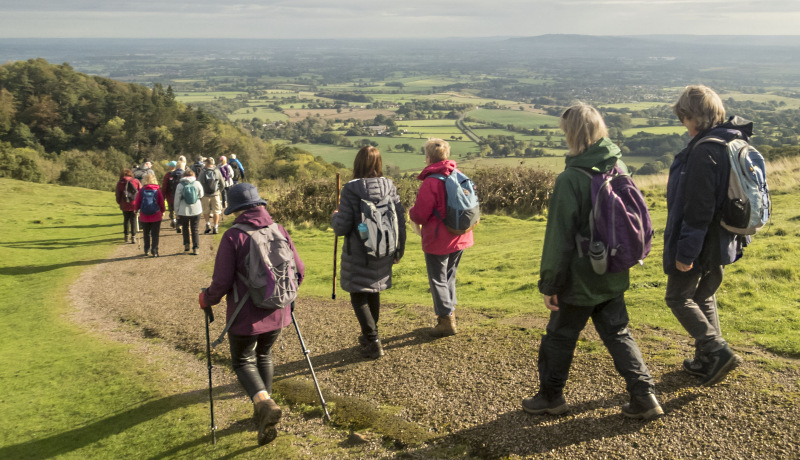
x=270, y=272
x=378, y=230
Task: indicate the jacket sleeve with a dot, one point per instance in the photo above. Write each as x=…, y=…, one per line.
x=161, y=201
x=427, y=201
x=559, y=247
x=343, y=222
x=176, y=200
x=200, y=192
x=137, y=202
x=119, y=191
x=401, y=223
x=699, y=211
x=220, y=180
x=224, y=270
x=165, y=181
x=301, y=267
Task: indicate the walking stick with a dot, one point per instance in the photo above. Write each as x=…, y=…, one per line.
x=210, y=319
x=336, y=238
x=310, y=367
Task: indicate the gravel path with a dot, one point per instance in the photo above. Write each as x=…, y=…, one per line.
x=462, y=392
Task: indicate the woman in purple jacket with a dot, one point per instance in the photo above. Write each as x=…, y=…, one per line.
x=254, y=330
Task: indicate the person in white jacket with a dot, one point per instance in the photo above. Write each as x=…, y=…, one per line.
x=189, y=208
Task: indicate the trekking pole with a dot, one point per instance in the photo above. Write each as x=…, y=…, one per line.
x=335, y=237
x=210, y=319
x=310, y=367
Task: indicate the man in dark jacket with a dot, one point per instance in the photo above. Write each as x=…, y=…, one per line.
x=198, y=166
x=696, y=247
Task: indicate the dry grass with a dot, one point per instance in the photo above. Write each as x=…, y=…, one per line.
x=330, y=114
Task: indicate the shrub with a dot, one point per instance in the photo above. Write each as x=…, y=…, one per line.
x=516, y=191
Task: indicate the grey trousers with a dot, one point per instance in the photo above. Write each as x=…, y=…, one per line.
x=442, y=280
x=692, y=298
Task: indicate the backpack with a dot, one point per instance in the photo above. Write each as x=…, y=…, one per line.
x=139, y=173
x=190, y=193
x=747, y=204
x=173, y=181
x=237, y=171
x=149, y=201
x=378, y=230
x=227, y=175
x=130, y=191
x=270, y=272
x=461, y=203
x=620, y=229
x=208, y=179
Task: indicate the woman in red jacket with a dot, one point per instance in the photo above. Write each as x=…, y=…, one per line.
x=150, y=204
x=125, y=197
x=442, y=249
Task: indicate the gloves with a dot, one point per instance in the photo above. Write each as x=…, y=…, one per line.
x=202, y=300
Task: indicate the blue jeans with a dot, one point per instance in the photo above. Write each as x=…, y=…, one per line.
x=610, y=319
x=442, y=280
x=251, y=356
x=692, y=298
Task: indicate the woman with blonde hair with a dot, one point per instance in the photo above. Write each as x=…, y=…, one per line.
x=363, y=276
x=150, y=204
x=442, y=249
x=571, y=289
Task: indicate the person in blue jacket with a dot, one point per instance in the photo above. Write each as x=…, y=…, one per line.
x=696, y=246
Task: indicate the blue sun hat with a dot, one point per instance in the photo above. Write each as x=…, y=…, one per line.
x=243, y=196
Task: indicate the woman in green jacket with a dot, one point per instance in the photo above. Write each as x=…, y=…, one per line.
x=572, y=291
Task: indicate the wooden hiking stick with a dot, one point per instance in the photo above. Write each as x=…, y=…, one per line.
x=335, y=237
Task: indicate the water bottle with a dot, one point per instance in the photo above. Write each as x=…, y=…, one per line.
x=363, y=231
x=598, y=254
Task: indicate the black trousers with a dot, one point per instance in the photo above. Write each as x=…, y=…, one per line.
x=129, y=222
x=251, y=356
x=151, y=231
x=367, y=306
x=189, y=223
x=610, y=319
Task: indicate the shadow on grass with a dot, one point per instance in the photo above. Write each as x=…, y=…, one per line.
x=69, y=441
x=33, y=269
x=58, y=243
x=50, y=227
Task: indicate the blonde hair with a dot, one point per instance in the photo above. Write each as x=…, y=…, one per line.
x=149, y=179
x=700, y=104
x=182, y=159
x=583, y=126
x=437, y=150
x=181, y=164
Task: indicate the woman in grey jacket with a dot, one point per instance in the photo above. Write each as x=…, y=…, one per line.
x=189, y=213
x=362, y=275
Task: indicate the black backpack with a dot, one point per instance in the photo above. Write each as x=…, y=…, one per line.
x=174, y=179
x=130, y=191
x=208, y=179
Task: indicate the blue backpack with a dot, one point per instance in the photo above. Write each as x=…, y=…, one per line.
x=149, y=201
x=747, y=205
x=461, y=203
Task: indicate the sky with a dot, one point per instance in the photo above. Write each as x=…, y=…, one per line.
x=364, y=19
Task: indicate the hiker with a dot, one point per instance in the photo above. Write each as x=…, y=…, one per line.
x=572, y=290
x=142, y=170
x=126, y=191
x=170, y=182
x=364, y=276
x=442, y=249
x=213, y=183
x=150, y=204
x=188, y=207
x=198, y=165
x=227, y=175
x=238, y=169
x=254, y=330
x=696, y=246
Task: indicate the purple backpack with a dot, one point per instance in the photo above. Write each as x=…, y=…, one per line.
x=621, y=231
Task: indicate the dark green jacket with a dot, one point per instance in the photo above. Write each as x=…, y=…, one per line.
x=562, y=271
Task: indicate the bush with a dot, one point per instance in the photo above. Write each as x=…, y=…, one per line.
x=20, y=164
x=516, y=191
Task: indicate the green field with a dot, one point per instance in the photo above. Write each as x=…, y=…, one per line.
x=261, y=112
x=206, y=96
x=634, y=106
x=654, y=130
x=514, y=117
x=788, y=102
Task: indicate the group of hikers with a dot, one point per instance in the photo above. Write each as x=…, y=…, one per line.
x=200, y=189
x=696, y=249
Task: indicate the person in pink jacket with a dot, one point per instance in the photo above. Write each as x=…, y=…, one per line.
x=442, y=249
x=125, y=202
x=150, y=204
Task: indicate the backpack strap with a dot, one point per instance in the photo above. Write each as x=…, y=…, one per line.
x=241, y=302
x=442, y=178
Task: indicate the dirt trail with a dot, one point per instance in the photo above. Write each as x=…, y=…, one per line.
x=463, y=392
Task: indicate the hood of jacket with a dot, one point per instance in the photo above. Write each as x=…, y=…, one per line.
x=151, y=187
x=371, y=188
x=600, y=156
x=444, y=167
x=735, y=128
x=256, y=216
x=187, y=179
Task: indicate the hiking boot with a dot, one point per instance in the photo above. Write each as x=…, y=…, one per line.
x=126, y=238
x=720, y=363
x=540, y=404
x=643, y=407
x=178, y=229
x=696, y=367
x=194, y=251
x=372, y=350
x=268, y=414
x=216, y=230
x=172, y=223
x=133, y=239
x=186, y=248
x=208, y=229
x=155, y=253
x=445, y=326
x=363, y=341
